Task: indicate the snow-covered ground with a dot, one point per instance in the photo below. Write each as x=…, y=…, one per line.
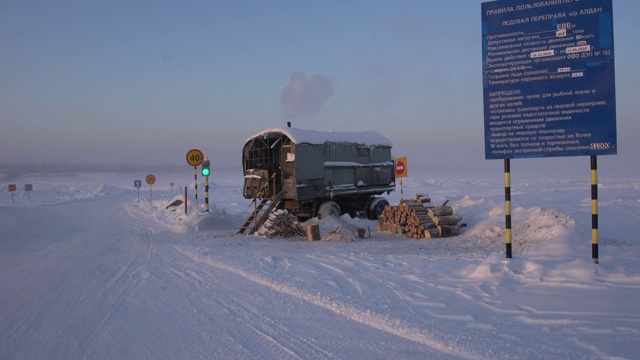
x=90, y=271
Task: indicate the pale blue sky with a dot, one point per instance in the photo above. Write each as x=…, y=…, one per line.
x=142, y=82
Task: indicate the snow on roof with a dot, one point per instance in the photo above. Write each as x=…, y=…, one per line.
x=307, y=136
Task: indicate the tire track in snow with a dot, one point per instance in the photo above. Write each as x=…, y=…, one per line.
x=121, y=286
x=380, y=322
x=283, y=341
x=346, y=283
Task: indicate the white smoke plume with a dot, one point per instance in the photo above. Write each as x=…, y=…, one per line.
x=305, y=97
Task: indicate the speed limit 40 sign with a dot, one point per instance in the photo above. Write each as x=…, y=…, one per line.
x=194, y=157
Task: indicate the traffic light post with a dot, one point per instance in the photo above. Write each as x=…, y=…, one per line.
x=206, y=170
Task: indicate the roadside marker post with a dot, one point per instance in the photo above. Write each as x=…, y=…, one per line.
x=185, y=199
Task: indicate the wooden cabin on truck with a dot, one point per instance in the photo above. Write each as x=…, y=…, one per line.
x=314, y=173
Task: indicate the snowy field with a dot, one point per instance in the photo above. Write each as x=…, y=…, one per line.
x=90, y=271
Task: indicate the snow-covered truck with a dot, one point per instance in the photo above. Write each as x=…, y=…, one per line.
x=313, y=173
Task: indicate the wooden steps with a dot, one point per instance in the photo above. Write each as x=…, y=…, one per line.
x=260, y=215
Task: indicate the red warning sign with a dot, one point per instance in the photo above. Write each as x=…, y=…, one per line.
x=401, y=167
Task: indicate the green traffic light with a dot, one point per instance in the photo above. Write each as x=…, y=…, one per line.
x=205, y=169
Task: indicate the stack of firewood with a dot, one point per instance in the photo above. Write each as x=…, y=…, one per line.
x=281, y=224
x=419, y=219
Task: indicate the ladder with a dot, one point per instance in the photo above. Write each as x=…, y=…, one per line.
x=260, y=214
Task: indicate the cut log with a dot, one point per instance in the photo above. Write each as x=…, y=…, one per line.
x=313, y=232
x=431, y=233
x=422, y=198
x=446, y=220
x=447, y=230
x=440, y=211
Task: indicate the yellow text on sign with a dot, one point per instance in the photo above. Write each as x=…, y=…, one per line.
x=194, y=157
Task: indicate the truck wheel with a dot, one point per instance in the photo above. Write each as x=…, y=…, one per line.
x=366, y=205
x=329, y=208
x=377, y=207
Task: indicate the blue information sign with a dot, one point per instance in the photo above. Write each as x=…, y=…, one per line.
x=548, y=78
x=137, y=183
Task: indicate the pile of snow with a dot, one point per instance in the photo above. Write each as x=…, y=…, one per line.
x=540, y=226
x=176, y=220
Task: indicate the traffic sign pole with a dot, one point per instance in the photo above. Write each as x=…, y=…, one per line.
x=12, y=188
x=195, y=177
x=194, y=158
x=151, y=179
x=137, y=184
x=28, y=188
x=400, y=168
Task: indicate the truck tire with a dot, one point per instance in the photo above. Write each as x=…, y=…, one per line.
x=366, y=205
x=377, y=207
x=329, y=208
